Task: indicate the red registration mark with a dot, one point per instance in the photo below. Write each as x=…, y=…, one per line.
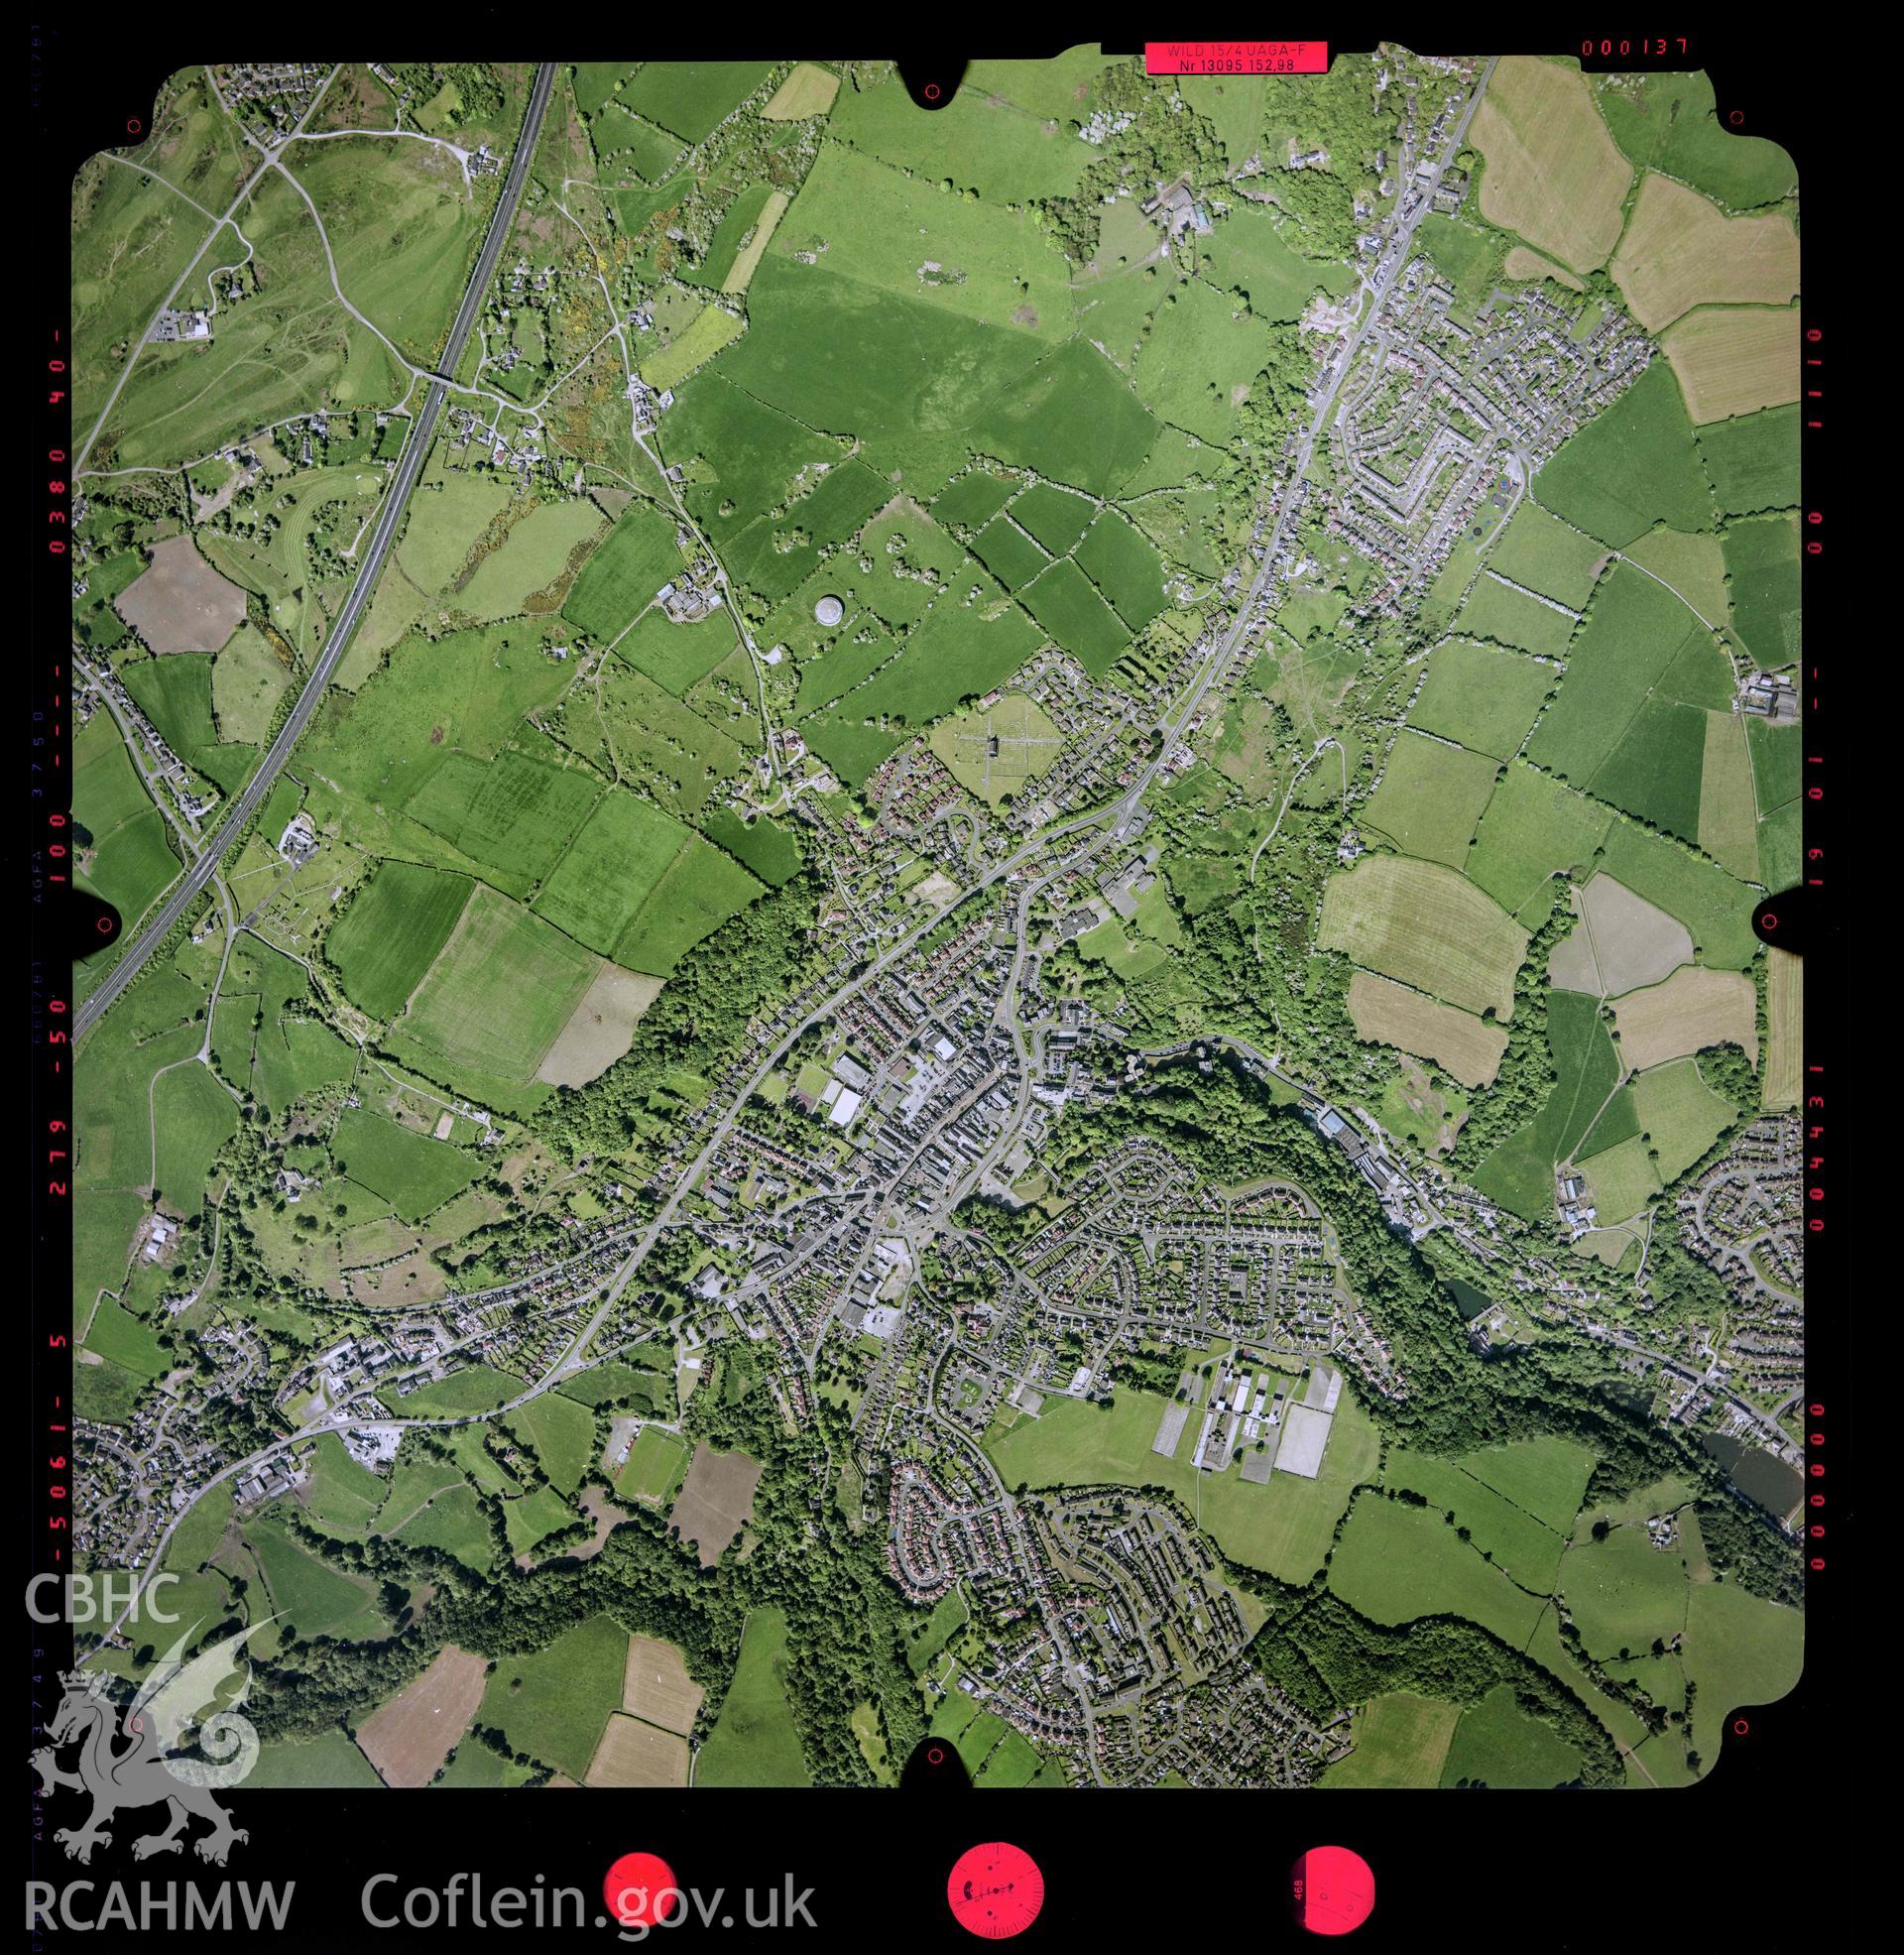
x=1235, y=58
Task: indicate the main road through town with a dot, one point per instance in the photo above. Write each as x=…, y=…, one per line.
x=201, y=871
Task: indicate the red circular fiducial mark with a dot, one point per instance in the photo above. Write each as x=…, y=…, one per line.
x=1740, y=1727
x=994, y=1890
x=935, y=1756
x=1331, y=1889
x=640, y=1891
x=931, y=91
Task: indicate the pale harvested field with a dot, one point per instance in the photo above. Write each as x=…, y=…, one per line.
x=1635, y=942
x=656, y=1688
x=181, y=603
x=1681, y=250
x=1524, y=264
x=1570, y=964
x=714, y=1499
x=636, y=1753
x=742, y=274
x=599, y=1028
x=1732, y=361
x=1463, y=1046
x=1554, y=173
x=1728, y=805
x=808, y=90
x=1785, y=1042
x=409, y=1737
x=1695, y=1007
x=1422, y=923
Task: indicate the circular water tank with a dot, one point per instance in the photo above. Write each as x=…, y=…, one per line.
x=829, y=611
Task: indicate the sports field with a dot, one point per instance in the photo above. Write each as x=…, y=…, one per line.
x=1283, y=1527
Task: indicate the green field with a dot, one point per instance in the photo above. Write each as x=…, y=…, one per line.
x=1753, y=462
x=341, y=1497
x=1283, y=1527
x=1498, y=1743
x=1011, y=556
x=1623, y=1593
x=1485, y=699
x=1400, y=1739
x=1631, y=467
x=973, y=639
x=625, y=571
x=1636, y=635
x=766, y=846
x=754, y=1741
x=456, y=1522
x=677, y=656
x=1527, y=1548
x=1056, y=517
x=1397, y=1562
x=1511, y=617
x=390, y=936
x=1740, y=1649
x=985, y=136
x=1761, y=568
x=1667, y=122
x=1680, y=1115
x=499, y=992
x=310, y=1596
x=554, y=1702
x=698, y=890
x=561, y=1435
x=1431, y=798
x=513, y=813
x=533, y=561
x=1548, y=556
x=622, y=850
x=1519, y=1173
x=692, y=98
x=1120, y=561
x=414, y=1172
x=328, y=1760
x=132, y=863
x=247, y=681
x=402, y=231
x=192, y=1117
x=115, y=1334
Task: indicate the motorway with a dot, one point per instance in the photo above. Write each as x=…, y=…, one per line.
x=206, y=866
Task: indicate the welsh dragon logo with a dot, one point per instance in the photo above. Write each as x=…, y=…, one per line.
x=152, y=1769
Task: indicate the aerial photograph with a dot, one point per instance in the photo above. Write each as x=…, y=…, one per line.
x=938, y=927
